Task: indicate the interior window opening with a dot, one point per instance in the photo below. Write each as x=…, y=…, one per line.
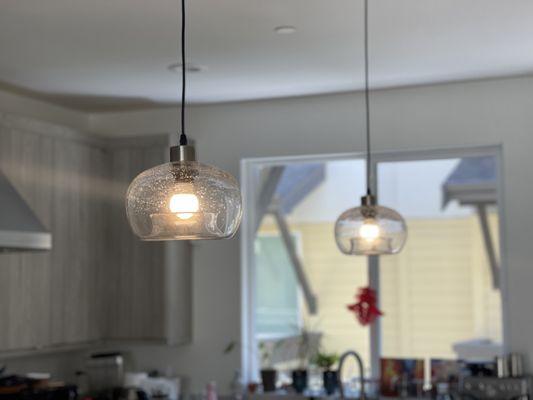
x=440, y=297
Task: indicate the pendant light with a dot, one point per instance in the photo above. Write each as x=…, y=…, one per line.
x=369, y=229
x=184, y=199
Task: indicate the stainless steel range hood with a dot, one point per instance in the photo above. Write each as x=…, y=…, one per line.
x=20, y=229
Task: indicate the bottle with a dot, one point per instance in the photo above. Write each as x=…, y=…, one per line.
x=237, y=388
x=443, y=391
x=82, y=382
x=211, y=391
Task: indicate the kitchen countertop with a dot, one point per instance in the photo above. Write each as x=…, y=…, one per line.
x=295, y=396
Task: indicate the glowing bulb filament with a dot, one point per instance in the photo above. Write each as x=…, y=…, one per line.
x=184, y=205
x=369, y=231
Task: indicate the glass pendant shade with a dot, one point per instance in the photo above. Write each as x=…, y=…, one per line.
x=184, y=200
x=370, y=230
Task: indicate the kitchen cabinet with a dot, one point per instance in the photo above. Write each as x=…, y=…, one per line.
x=136, y=292
x=51, y=298
x=99, y=283
x=149, y=286
x=26, y=160
x=78, y=225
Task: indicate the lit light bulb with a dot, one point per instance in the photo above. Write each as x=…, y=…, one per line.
x=184, y=205
x=369, y=231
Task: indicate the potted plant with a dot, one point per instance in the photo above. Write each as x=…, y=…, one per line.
x=268, y=373
x=325, y=361
x=304, y=353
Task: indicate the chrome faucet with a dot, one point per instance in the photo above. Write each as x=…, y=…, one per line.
x=361, y=373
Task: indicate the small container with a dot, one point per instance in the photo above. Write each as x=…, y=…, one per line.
x=299, y=380
x=331, y=381
x=211, y=391
x=105, y=371
x=237, y=388
x=516, y=368
x=268, y=379
x=502, y=367
x=82, y=382
x=443, y=391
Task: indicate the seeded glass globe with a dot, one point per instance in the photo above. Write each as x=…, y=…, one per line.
x=370, y=230
x=184, y=200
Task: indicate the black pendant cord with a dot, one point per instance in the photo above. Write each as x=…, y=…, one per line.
x=183, y=136
x=367, y=106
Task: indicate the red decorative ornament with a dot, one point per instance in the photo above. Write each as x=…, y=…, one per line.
x=366, y=309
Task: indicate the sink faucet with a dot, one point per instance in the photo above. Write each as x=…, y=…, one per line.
x=361, y=373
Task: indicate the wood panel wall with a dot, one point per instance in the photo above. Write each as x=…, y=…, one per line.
x=98, y=282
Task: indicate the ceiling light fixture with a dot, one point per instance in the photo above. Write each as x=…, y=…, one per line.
x=189, y=67
x=184, y=199
x=369, y=229
x=285, y=29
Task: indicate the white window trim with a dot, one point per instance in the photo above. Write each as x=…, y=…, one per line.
x=249, y=362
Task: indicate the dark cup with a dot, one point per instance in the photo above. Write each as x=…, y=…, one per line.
x=268, y=379
x=299, y=380
x=331, y=381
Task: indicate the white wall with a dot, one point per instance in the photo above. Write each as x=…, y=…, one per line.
x=441, y=116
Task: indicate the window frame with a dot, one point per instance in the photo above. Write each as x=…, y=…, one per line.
x=248, y=166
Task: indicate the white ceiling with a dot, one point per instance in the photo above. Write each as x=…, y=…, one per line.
x=97, y=54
